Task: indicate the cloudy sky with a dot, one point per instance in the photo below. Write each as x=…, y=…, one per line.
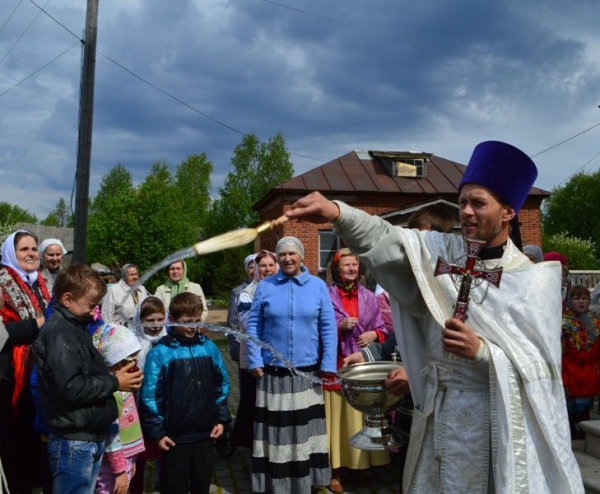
x=179, y=77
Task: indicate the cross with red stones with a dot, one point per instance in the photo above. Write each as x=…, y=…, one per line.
x=470, y=274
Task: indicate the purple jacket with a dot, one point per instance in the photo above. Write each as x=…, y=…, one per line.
x=369, y=318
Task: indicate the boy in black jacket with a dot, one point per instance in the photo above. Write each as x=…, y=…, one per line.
x=74, y=383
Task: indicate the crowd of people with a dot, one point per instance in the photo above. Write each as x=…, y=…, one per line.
x=138, y=380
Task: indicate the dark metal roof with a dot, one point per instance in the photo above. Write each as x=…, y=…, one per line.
x=358, y=172
x=65, y=235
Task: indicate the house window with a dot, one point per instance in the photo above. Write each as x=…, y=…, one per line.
x=329, y=244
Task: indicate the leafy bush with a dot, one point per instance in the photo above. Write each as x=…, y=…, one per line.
x=580, y=253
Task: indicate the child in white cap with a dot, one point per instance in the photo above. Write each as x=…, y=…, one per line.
x=119, y=346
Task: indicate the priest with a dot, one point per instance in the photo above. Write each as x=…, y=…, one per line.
x=490, y=412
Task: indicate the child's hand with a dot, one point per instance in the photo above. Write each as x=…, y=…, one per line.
x=165, y=444
x=353, y=358
x=217, y=431
x=121, y=483
x=129, y=381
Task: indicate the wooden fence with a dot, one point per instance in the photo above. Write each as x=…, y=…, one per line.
x=588, y=279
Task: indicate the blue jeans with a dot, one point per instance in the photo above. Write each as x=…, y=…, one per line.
x=74, y=464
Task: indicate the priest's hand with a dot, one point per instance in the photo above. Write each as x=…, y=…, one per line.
x=460, y=339
x=315, y=208
x=396, y=382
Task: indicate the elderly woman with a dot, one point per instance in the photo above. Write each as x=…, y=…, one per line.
x=291, y=312
x=118, y=306
x=359, y=323
x=580, y=356
x=52, y=252
x=233, y=321
x=265, y=264
x=179, y=283
x=25, y=299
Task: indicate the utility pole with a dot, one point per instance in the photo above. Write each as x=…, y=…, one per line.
x=84, y=142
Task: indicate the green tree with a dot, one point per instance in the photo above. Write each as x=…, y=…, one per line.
x=580, y=253
x=60, y=215
x=10, y=214
x=5, y=231
x=565, y=210
x=112, y=218
x=145, y=224
x=161, y=229
x=192, y=181
x=193, y=187
x=257, y=167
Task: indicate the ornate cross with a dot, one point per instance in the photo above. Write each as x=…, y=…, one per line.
x=470, y=274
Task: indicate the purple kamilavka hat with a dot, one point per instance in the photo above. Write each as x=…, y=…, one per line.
x=503, y=169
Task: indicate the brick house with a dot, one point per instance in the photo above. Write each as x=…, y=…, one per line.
x=391, y=184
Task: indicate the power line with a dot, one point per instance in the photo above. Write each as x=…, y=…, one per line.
x=580, y=168
x=10, y=16
x=566, y=140
x=39, y=70
x=55, y=20
x=162, y=91
x=22, y=34
x=187, y=105
x=233, y=129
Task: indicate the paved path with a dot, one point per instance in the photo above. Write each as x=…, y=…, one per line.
x=233, y=476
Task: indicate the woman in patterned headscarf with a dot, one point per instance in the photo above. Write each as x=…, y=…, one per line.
x=359, y=323
x=25, y=300
x=581, y=354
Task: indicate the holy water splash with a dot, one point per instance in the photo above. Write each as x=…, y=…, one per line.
x=216, y=328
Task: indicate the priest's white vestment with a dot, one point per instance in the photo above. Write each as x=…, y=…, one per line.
x=494, y=424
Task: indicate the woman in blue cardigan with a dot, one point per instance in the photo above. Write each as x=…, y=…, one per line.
x=293, y=313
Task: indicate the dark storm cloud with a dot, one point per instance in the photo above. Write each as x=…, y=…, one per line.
x=332, y=76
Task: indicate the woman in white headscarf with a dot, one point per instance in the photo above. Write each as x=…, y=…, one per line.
x=25, y=300
x=119, y=303
x=52, y=252
x=265, y=264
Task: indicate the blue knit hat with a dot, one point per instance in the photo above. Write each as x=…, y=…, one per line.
x=503, y=169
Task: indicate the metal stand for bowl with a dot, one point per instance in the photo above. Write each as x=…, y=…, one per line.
x=363, y=385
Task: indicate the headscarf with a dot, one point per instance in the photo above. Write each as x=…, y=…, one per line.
x=115, y=343
x=333, y=271
x=124, y=270
x=147, y=341
x=291, y=243
x=178, y=287
x=9, y=258
x=534, y=251
x=248, y=260
x=556, y=256
x=52, y=241
x=138, y=326
x=586, y=320
x=251, y=288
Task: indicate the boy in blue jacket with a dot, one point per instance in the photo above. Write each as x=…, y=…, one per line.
x=184, y=399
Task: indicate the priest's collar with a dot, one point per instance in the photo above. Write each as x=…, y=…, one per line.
x=492, y=252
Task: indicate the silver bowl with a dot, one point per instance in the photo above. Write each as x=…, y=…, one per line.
x=363, y=386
